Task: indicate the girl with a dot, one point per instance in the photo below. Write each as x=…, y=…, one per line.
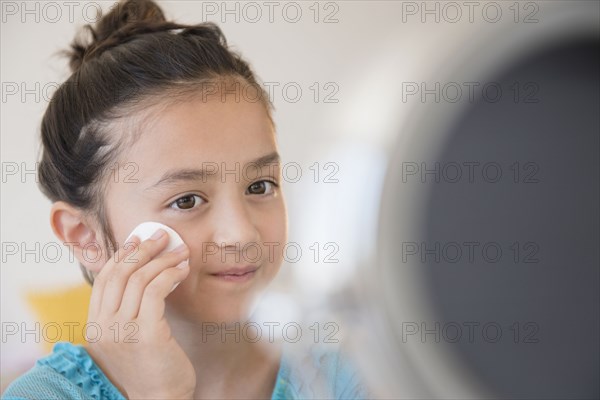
x=149, y=126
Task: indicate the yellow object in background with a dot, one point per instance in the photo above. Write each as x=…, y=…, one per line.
x=62, y=314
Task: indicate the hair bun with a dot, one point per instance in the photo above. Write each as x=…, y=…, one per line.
x=126, y=20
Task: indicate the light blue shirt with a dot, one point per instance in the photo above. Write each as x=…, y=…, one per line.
x=70, y=373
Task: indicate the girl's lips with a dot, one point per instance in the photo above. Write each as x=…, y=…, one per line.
x=236, y=277
x=239, y=274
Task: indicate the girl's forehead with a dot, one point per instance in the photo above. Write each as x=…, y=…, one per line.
x=212, y=121
x=188, y=134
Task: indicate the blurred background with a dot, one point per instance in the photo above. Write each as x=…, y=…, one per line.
x=442, y=185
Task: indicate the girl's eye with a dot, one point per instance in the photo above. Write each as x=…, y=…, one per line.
x=262, y=187
x=186, y=202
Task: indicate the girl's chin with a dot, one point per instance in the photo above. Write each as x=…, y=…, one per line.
x=218, y=308
x=225, y=314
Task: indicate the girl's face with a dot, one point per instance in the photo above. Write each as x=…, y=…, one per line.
x=209, y=170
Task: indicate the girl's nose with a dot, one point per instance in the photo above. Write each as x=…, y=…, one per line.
x=233, y=225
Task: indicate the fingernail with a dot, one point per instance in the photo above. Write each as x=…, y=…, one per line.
x=179, y=248
x=132, y=242
x=158, y=234
x=131, y=239
x=174, y=286
x=183, y=265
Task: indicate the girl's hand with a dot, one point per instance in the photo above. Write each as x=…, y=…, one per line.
x=135, y=349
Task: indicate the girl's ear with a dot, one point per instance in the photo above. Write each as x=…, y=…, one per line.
x=72, y=228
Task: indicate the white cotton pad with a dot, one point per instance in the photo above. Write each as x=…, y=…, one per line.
x=146, y=229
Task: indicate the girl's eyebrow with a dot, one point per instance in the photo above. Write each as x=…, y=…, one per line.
x=171, y=177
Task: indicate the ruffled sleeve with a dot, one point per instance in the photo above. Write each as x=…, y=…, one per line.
x=67, y=373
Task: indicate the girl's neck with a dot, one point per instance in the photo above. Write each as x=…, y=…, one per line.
x=227, y=364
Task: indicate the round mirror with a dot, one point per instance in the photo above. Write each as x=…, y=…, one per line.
x=487, y=278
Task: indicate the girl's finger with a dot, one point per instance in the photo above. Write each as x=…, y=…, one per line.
x=152, y=306
x=116, y=281
x=99, y=281
x=140, y=279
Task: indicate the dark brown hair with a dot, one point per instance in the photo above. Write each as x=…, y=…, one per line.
x=135, y=55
